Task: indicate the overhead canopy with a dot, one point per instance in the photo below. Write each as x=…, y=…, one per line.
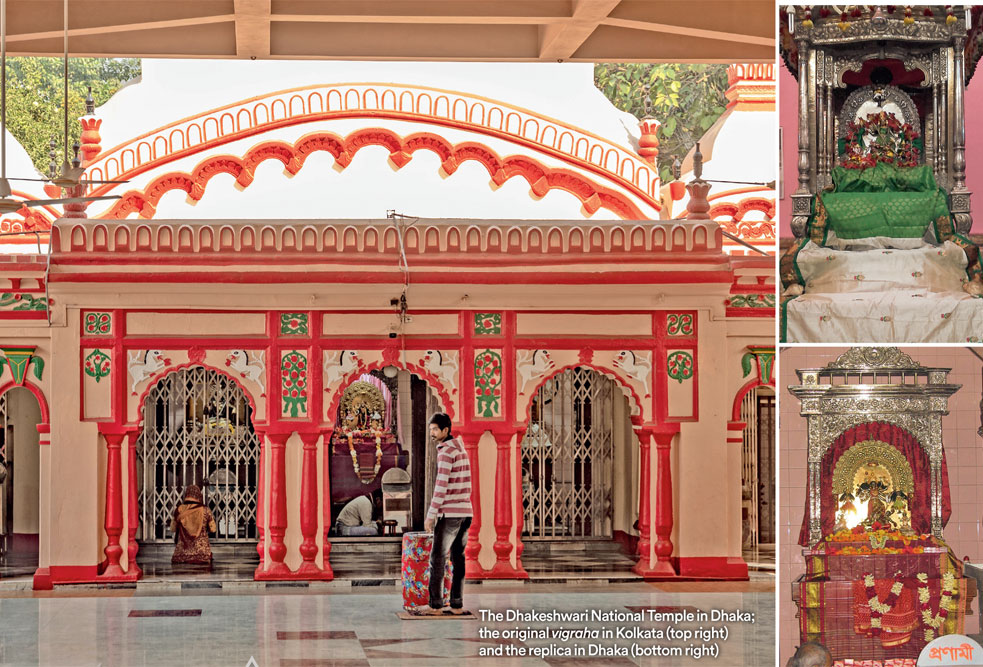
x=695, y=31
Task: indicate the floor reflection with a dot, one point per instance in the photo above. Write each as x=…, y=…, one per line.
x=360, y=627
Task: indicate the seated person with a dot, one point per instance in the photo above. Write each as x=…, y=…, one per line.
x=191, y=524
x=361, y=515
x=811, y=654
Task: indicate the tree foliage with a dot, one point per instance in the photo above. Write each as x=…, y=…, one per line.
x=35, y=95
x=686, y=99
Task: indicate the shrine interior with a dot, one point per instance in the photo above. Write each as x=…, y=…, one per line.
x=880, y=490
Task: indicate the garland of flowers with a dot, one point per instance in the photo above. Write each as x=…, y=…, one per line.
x=934, y=623
x=877, y=537
x=894, y=142
x=878, y=608
x=378, y=457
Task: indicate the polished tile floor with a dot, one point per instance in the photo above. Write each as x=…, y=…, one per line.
x=359, y=626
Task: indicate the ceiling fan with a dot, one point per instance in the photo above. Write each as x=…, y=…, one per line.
x=71, y=173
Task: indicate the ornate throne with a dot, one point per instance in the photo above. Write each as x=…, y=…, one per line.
x=363, y=445
x=881, y=211
x=880, y=581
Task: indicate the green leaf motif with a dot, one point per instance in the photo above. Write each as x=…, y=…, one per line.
x=752, y=301
x=746, y=363
x=38, y=367
x=294, y=324
x=23, y=301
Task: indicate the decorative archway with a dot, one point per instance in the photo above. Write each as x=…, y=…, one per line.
x=443, y=393
x=567, y=457
x=361, y=457
x=753, y=430
x=22, y=430
x=633, y=412
x=38, y=394
x=456, y=110
x=634, y=400
x=196, y=427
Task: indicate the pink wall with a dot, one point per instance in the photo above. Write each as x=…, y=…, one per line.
x=788, y=112
x=964, y=455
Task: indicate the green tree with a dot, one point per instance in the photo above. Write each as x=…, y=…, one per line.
x=35, y=96
x=686, y=99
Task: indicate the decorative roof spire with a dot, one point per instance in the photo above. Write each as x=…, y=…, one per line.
x=698, y=208
x=648, y=143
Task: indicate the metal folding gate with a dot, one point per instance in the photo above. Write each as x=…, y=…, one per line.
x=198, y=430
x=567, y=458
x=758, y=414
x=6, y=449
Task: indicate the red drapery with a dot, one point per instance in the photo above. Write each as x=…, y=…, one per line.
x=920, y=503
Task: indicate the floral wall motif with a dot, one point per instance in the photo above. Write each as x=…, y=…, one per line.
x=97, y=324
x=488, y=379
x=487, y=324
x=679, y=324
x=293, y=324
x=97, y=364
x=679, y=365
x=293, y=376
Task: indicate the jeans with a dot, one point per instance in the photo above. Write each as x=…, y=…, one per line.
x=450, y=536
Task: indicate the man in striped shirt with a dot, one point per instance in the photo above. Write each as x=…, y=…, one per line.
x=449, y=516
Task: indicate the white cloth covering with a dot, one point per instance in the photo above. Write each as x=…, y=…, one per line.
x=884, y=296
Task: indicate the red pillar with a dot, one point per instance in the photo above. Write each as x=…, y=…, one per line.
x=260, y=499
x=308, y=510
x=326, y=508
x=474, y=547
x=644, y=495
x=504, y=518
x=133, y=516
x=519, y=546
x=663, y=507
x=278, y=508
x=114, y=504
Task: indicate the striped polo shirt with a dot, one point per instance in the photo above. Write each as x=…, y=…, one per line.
x=452, y=489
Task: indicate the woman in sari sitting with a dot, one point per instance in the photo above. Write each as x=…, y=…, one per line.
x=191, y=524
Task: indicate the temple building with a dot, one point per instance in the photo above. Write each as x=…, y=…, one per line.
x=307, y=259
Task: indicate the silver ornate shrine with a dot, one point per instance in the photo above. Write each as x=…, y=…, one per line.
x=833, y=60
x=873, y=384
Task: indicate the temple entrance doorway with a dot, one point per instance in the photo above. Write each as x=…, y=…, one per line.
x=579, y=461
x=20, y=479
x=198, y=430
x=381, y=444
x=758, y=469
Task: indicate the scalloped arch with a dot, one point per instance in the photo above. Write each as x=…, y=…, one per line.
x=634, y=402
x=541, y=178
x=155, y=379
x=432, y=381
